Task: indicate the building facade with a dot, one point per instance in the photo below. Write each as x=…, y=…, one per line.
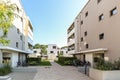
x=97, y=31
x=52, y=51
x=21, y=39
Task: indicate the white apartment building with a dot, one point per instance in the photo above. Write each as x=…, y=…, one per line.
x=21, y=39
x=36, y=53
x=52, y=51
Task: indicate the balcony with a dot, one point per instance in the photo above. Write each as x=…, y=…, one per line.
x=71, y=41
x=30, y=41
x=72, y=32
x=71, y=52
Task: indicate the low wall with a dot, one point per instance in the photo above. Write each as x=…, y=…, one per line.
x=5, y=78
x=104, y=75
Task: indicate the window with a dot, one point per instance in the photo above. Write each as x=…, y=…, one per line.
x=21, y=37
x=81, y=39
x=66, y=52
x=58, y=52
x=35, y=51
x=54, y=47
x=101, y=17
x=101, y=36
x=21, y=19
x=98, y=1
x=51, y=52
x=17, y=9
x=85, y=34
x=81, y=22
x=87, y=46
x=17, y=44
x=18, y=31
x=86, y=14
x=113, y=11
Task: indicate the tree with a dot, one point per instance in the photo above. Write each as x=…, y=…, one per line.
x=42, y=47
x=36, y=46
x=6, y=19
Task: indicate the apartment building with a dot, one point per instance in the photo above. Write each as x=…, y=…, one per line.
x=36, y=53
x=21, y=39
x=96, y=31
x=52, y=51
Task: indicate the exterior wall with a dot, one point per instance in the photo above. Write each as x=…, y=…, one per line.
x=89, y=57
x=52, y=56
x=50, y=48
x=14, y=59
x=94, y=27
x=21, y=29
x=36, y=53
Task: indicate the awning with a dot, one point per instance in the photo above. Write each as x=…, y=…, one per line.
x=93, y=50
x=14, y=49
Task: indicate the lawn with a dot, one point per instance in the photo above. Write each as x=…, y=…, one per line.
x=45, y=63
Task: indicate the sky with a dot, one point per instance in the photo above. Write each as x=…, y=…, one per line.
x=52, y=18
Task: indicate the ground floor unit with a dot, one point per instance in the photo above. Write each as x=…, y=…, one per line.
x=12, y=56
x=93, y=55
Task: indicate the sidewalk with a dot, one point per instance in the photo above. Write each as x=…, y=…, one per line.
x=57, y=72
x=23, y=73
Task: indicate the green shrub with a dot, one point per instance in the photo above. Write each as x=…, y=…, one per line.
x=104, y=65
x=34, y=61
x=5, y=70
x=66, y=60
x=117, y=64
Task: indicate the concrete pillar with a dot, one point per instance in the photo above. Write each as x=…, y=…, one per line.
x=1, y=57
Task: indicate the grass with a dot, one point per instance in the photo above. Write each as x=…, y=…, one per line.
x=45, y=63
x=60, y=63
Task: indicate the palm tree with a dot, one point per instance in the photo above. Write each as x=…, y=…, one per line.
x=6, y=19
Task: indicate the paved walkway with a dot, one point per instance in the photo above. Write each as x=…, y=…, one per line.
x=54, y=72
x=57, y=72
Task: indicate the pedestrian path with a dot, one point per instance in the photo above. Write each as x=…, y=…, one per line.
x=23, y=73
x=57, y=72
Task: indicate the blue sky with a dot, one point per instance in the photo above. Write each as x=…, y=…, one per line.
x=51, y=18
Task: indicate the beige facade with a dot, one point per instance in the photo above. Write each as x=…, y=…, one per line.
x=97, y=30
x=20, y=36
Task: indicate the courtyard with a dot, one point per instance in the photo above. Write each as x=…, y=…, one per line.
x=54, y=72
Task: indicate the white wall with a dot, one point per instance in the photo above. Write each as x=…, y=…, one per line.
x=89, y=57
x=50, y=48
x=14, y=59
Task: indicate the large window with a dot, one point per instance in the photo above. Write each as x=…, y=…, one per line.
x=101, y=36
x=51, y=51
x=87, y=46
x=85, y=34
x=54, y=47
x=101, y=17
x=98, y=1
x=86, y=14
x=18, y=31
x=81, y=39
x=17, y=44
x=81, y=22
x=113, y=11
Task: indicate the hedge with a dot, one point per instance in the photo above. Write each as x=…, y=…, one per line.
x=34, y=61
x=66, y=60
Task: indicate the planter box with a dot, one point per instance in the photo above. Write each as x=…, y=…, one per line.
x=104, y=75
x=5, y=78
